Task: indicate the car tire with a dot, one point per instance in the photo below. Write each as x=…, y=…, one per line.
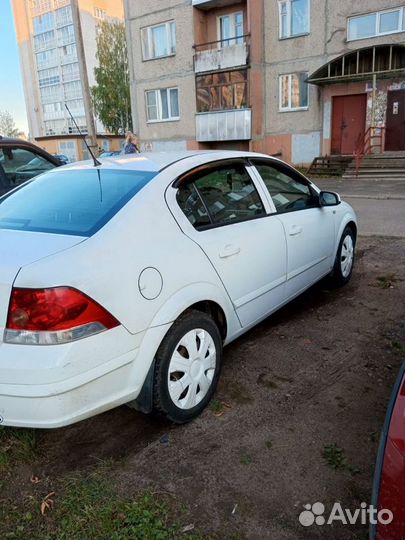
x=187, y=367
x=344, y=261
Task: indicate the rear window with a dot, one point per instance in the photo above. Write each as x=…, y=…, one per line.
x=77, y=202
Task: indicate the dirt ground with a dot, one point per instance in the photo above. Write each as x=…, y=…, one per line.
x=317, y=373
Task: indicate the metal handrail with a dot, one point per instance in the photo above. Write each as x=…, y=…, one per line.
x=365, y=144
x=196, y=46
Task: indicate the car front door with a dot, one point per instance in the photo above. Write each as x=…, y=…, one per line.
x=220, y=208
x=309, y=228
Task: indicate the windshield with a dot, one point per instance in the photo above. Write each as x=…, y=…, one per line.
x=77, y=202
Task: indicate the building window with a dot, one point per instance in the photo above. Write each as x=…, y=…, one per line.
x=66, y=35
x=48, y=58
x=231, y=29
x=294, y=18
x=46, y=77
x=49, y=94
x=43, y=23
x=379, y=23
x=63, y=16
x=293, y=91
x=43, y=41
x=100, y=13
x=68, y=149
x=70, y=72
x=159, y=40
x=162, y=105
x=222, y=91
x=73, y=90
x=68, y=53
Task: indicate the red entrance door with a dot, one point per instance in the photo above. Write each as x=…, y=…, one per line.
x=348, y=122
x=395, y=123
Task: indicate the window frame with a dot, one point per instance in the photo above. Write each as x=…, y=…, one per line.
x=289, y=20
x=377, y=33
x=220, y=86
x=190, y=177
x=171, y=46
x=157, y=92
x=280, y=93
x=288, y=171
x=238, y=40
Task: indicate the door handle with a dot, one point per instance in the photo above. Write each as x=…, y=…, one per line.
x=295, y=229
x=229, y=250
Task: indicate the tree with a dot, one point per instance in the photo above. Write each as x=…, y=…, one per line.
x=7, y=125
x=110, y=95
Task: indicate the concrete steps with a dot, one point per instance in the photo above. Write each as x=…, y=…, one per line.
x=378, y=166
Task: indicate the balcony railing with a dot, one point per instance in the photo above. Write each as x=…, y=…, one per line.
x=227, y=125
x=221, y=54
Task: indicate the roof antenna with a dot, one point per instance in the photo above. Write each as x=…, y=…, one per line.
x=95, y=160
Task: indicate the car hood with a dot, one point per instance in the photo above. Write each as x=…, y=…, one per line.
x=19, y=248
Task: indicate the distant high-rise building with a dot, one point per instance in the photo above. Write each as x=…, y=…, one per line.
x=50, y=62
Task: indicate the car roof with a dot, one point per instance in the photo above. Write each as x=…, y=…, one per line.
x=156, y=161
x=23, y=144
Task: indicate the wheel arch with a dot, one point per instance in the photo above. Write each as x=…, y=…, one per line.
x=353, y=227
x=347, y=220
x=203, y=297
x=215, y=311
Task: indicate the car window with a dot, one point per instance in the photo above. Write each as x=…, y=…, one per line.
x=77, y=202
x=20, y=165
x=227, y=194
x=287, y=192
x=190, y=202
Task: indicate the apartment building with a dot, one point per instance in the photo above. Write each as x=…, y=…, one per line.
x=293, y=78
x=49, y=56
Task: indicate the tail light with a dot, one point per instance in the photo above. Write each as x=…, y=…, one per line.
x=52, y=316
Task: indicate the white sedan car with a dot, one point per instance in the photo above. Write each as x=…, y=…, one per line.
x=121, y=283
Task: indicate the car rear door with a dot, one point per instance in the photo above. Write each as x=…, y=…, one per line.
x=221, y=208
x=309, y=228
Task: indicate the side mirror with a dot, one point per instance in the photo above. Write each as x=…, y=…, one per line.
x=329, y=198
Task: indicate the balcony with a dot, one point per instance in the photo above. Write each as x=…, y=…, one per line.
x=223, y=54
x=209, y=4
x=227, y=125
x=54, y=115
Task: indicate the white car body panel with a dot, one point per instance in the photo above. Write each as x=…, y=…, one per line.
x=255, y=248
x=310, y=238
x=248, y=269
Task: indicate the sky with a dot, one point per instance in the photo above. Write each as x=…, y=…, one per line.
x=11, y=90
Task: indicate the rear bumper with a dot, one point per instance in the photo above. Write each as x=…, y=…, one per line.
x=56, y=385
x=55, y=405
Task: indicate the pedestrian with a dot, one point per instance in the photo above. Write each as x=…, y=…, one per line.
x=131, y=143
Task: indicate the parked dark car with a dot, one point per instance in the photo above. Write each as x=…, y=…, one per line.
x=389, y=478
x=21, y=160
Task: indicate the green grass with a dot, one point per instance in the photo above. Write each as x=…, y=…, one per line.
x=16, y=445
x=334, y=456
x=88, y=508
x=397, y=347
x=386, y=282
x=246, y=460
x=216, y=406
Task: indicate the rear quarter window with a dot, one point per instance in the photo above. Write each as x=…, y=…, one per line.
x=77, y=202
